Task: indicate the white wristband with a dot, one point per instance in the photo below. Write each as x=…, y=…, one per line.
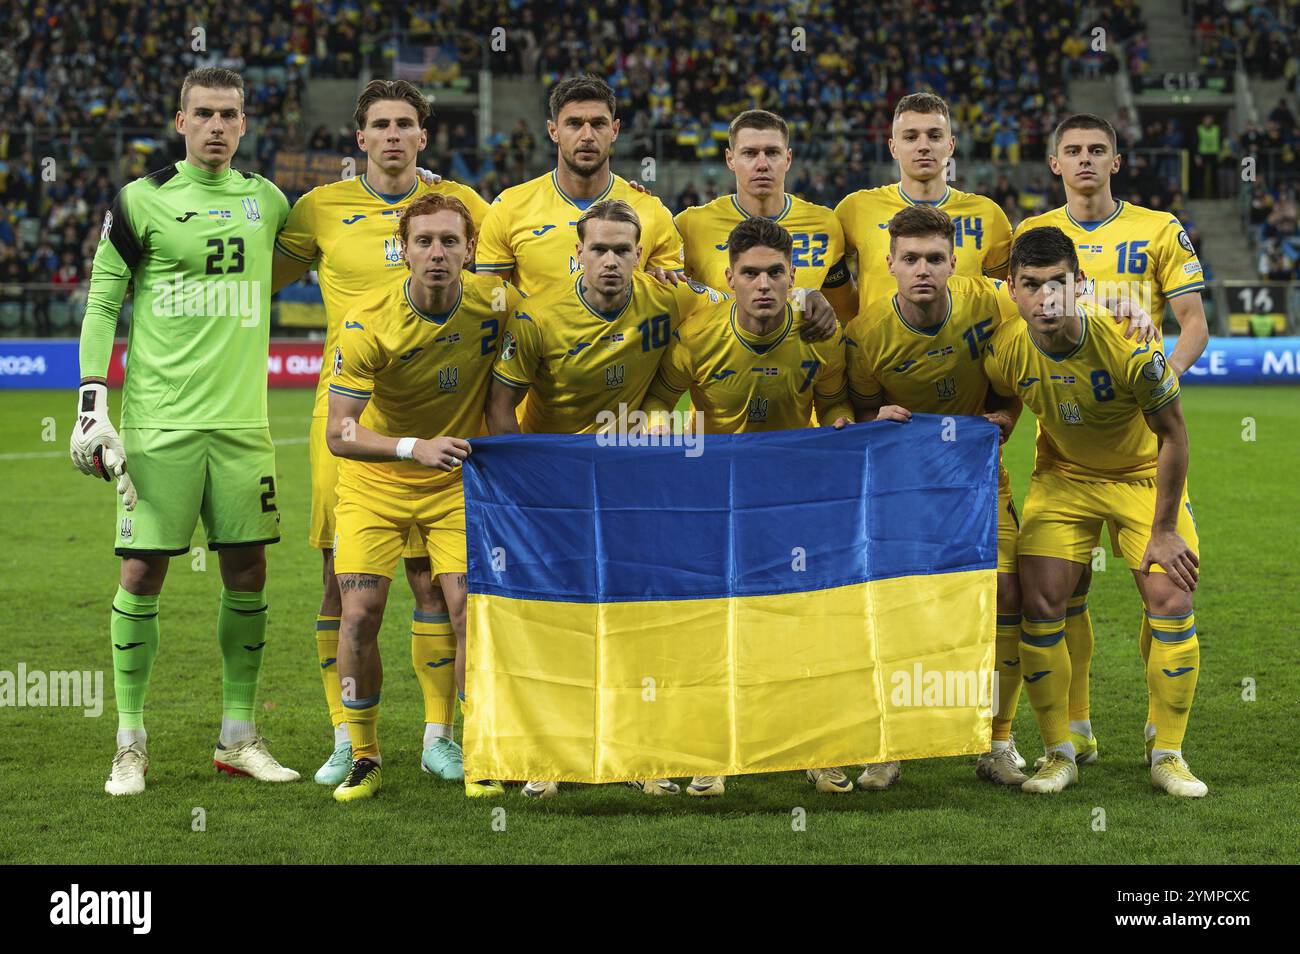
x=406, y=448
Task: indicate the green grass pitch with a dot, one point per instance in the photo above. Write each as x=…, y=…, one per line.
x=59, y=574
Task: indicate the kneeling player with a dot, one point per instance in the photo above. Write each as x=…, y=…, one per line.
x=411, y=369
x=1112, y=448
x=713, y=356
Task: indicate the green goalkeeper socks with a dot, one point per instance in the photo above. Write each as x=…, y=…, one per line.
x=241, y=631
x=134, y=631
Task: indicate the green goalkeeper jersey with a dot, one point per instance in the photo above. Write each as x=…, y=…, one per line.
x=198, y=249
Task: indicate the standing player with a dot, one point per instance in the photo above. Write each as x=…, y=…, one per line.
x=922, y=143
x=759, y=154
x=1112, y=448
x=529, y=234
x=195, y=239
x=713, y=357
x=346, y=229
x=1146, y=256
x=407, y=387
x=589, y=346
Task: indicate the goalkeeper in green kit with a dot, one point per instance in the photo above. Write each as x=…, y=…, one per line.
x=196, y=239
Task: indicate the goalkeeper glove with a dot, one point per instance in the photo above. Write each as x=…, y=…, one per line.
x=96, y=447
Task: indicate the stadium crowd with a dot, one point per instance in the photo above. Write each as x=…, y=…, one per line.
x=88, y=86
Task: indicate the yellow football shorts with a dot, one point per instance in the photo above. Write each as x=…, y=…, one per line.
x=1064, y=516
x=324, y=493
x=373, y=530
x=1008, y=524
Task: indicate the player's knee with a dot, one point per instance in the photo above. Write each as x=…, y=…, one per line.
x=143, y=576
x=1008, y=594
x=1085, y=581
x=1168, y=601
x=428, y=597
x=1039, y=605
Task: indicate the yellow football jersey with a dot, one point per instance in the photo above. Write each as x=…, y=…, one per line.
x=818, y=257
x=349, y=231
x=424, y=375
x=1089, y=401
x=936, y=371
x=578, y=361
x=741, y=382
x=1140, y=252
x=532, y=232
x=982, y=242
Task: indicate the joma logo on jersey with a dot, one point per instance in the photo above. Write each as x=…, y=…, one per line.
x=1070, y=413
x=614, y=375
x=352, y=220
x=543, y=230
x=410, y=354
x=251, y=211
x=947, y=388
x=905, y=366
x=392, y=252
x=448, y=378
x=757, y=409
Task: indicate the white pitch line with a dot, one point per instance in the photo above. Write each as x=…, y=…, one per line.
x=44, y=455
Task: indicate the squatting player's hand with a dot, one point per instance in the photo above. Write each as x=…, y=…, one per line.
x=1140, y=325
x=819, y=321
x=427, y=177
x=444, y=453
x=1005, y=425
x=841, y=423
x=1169, y=551
x=665, y=276
x=892, y=412
x=96, y=447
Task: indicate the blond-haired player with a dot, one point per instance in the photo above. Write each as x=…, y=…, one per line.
x=408, y=381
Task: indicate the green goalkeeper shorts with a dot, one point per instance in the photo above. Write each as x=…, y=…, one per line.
x=227, y=477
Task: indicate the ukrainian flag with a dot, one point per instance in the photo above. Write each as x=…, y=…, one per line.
x=782, y=600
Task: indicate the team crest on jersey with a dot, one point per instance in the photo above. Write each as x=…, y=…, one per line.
x=509, y=346
x=338, y=361
x=392, y=252
x=125, y=530
x=107, y=227
x=947, y=388
x=574, y=265
x=448, y=378
x=251, y=211
x=1185, y=241
x=614, y=375
x=757, y=409
x=1154, y=369
x=1070, y=413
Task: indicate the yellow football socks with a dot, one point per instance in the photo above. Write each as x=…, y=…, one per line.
x=327, y=654
x=1045, y=668
x=433, y=656
x=1078, y=641
x=1007, y=666
x=1172, y=671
